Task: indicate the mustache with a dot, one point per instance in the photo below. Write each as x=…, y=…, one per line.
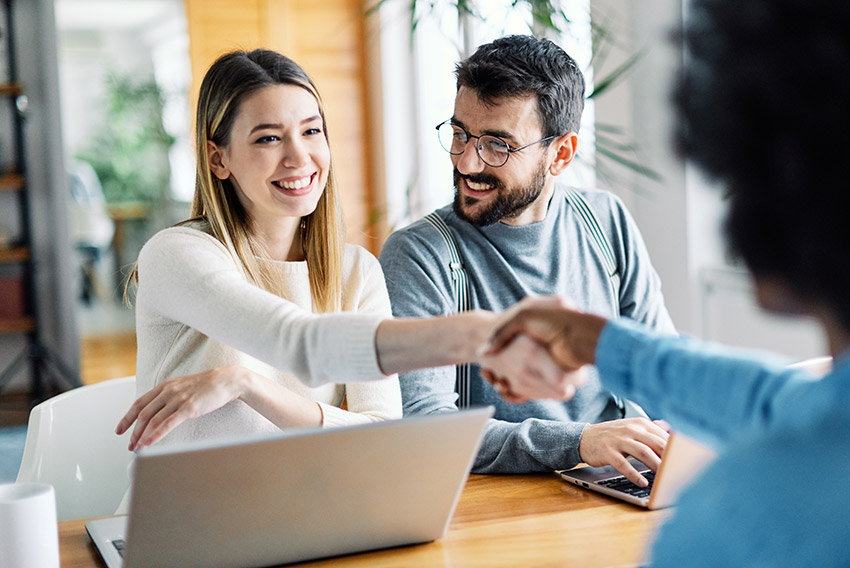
x=478, y=178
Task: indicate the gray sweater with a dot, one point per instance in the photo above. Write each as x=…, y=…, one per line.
x=504, y=264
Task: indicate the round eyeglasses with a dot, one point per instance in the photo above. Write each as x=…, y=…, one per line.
x=492, y=150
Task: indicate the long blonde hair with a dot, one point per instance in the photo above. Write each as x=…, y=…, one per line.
x=231, y=79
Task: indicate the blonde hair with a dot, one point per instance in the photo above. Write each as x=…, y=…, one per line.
x=227, y=83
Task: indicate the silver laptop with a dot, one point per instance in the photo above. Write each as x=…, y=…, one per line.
x=295, y=496
x=682, y=460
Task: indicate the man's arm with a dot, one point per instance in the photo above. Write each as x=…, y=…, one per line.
x=641, y=298
x=418, y=281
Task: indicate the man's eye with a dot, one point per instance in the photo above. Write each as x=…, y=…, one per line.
x=496, y=146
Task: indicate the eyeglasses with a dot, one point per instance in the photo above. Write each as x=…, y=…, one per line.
x=492, y=150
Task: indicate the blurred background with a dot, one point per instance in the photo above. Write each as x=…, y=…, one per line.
x=109, y=89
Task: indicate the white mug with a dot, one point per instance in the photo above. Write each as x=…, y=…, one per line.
x=29, y=536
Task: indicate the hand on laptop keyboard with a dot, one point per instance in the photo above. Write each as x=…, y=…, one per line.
x=612, y=442
x=626, y=486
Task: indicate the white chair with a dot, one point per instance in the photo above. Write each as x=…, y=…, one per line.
x=71, y=444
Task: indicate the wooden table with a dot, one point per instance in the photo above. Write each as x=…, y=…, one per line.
x=510, y=521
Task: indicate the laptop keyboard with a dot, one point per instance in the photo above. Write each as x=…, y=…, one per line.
x=622, y=484
x=119, y=546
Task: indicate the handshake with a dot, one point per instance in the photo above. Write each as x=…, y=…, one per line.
x=539, y=349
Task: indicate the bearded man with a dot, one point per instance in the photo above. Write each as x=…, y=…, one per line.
x=513, y=231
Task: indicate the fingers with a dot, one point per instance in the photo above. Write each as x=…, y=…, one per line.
x=610, y=443
x=133, y=413
x=525, y=371
x=515, y=319
x=179, y=399
x=504, y=336
x=161, y=424
x=625, y=467
x=143, y=420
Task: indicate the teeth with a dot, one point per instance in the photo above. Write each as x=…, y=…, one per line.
x=478, y=186
x=297, y=184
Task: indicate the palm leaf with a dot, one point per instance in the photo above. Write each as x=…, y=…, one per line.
x=611, y=79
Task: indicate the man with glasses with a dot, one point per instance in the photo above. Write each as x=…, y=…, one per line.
x=511, y=232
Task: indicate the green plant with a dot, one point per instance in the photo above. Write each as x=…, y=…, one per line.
x=130, y=152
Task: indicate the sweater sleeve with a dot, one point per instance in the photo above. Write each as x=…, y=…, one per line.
x=370, y=401
x=705, y=390
x=189, y=277
x=751, y=509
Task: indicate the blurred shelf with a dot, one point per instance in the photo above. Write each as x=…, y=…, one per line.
x=12, y=89
x=16, y=325
x=11, y=182
x=14, y=254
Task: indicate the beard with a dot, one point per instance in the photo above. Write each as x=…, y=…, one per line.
x=509, y=203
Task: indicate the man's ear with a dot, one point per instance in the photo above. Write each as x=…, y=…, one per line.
x=215, y=158
x=565, y=150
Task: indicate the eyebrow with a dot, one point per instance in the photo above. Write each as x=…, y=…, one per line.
x=505, y=135
x=277, y=125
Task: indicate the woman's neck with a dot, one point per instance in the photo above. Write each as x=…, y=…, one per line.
x=282, y=239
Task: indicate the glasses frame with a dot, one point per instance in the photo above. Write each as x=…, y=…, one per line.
x=478, y=146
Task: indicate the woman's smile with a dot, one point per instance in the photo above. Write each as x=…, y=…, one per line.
x=296, y=186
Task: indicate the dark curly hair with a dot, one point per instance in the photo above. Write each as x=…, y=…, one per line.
x=764, y=104
x=518, y=66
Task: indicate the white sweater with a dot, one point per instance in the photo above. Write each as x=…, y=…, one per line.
x=195, y=311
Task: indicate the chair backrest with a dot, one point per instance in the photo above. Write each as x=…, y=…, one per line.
x=71, y=444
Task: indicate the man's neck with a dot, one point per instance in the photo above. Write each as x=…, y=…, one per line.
x=536, y=211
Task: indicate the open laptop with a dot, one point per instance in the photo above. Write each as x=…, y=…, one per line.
x=294, y=496
x=682, y=460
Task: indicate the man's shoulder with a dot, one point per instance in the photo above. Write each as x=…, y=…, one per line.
x=418, y=234
x=601, y=201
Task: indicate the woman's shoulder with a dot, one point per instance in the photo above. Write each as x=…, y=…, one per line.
x=179, y=239
x=356, y=255
x=357, y=260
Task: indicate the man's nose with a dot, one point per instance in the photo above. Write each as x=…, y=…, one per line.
x=469, y=162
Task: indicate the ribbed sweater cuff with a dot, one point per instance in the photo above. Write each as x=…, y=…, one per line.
x=333, y=416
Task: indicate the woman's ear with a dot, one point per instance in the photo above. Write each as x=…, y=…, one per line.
x=215, y=157
x=565, y=150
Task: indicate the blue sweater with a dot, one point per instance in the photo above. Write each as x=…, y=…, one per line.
x=754, y=506
x=504, y=264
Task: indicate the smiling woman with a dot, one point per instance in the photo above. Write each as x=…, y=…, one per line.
x=266, y=226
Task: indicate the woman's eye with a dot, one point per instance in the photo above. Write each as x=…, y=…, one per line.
x=267, y=139
x=313, y=131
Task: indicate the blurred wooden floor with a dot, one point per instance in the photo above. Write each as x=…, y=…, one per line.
x=108, y=356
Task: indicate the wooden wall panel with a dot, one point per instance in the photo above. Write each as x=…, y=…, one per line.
x=326, y=37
